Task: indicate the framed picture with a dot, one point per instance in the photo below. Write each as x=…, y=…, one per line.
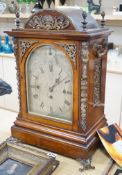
x=111, y=137
x=22, y=159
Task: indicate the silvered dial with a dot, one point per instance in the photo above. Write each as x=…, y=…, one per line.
x=49, y=83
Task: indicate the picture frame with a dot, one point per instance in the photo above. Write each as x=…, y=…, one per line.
x=19, y=158
x=111, y=138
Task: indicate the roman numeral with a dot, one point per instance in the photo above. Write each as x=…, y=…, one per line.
x=56, y=60
x=42, y=70
x=60, y=109
x=51, y=109
x=69, y=92
x=50, y=51
x=60, y=72
x=35, y=96
x=67, y=102
x=42, y=105
x=67, y=81
x=51, y=67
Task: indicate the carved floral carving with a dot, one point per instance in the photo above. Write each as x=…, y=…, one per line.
x=24, y=45
x=48, y=22
x=71, y=51
x=99, y=50
x=15, y=46
x=97, y=81
x=17, y=73
x=84, y=84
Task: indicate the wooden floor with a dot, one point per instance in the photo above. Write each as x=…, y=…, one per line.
x=100, y=160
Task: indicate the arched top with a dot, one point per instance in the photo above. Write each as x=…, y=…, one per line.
x=49, y=20
x=60, y=19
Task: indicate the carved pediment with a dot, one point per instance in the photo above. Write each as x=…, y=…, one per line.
x=51, y=21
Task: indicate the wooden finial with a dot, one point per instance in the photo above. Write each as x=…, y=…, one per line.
x=84, y=15
x=103, y=20
x=17, y=20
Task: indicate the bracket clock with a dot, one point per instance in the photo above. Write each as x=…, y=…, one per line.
x=61, y=69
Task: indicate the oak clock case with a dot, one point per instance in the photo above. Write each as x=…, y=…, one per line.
x=61, y=70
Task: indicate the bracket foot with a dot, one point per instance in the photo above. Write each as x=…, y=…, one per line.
x=86, y=163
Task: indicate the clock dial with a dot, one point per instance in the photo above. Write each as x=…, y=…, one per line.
x=49, y=83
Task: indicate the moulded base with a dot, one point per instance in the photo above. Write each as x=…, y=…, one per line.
x=54, y=144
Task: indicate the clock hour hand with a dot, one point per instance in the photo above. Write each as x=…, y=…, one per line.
x=57, y=82
x=58, y=79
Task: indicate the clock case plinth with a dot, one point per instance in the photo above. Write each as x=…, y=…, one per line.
x=86, y=51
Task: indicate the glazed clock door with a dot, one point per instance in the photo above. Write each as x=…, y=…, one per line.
x=49, y=81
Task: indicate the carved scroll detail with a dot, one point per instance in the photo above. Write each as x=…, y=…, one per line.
x=71, y=51
x=15, y=47
x=97, y=81
x=17, y=74
x=18, y=82
x=24, y=45
x=84, y=84
x=48, y=22
x=99, y=50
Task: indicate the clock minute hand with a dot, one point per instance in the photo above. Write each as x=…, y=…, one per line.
x=56, y=84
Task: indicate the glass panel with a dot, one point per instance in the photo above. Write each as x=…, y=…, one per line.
x=49, y=83
x=14, y=167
